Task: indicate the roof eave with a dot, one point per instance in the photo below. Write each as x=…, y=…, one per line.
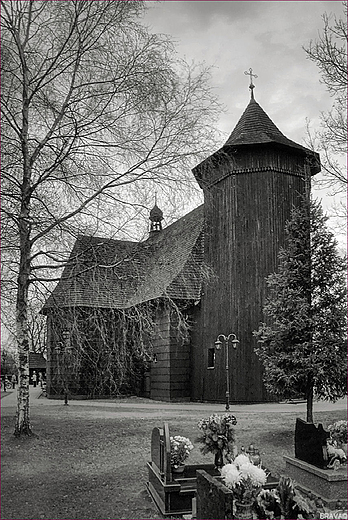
x=315, y=167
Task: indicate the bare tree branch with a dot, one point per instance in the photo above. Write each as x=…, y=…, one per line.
x=329, y=53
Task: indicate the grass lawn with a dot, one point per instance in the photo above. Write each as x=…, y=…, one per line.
x=87, y=462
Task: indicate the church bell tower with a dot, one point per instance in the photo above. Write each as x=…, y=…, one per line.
x=250, y=186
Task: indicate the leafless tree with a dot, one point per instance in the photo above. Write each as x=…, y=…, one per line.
x=92, y=104
x=329, y=53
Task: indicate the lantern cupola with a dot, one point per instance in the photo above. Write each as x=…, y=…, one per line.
x=156, y=217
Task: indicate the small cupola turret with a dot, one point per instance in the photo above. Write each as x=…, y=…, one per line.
x=156, y=217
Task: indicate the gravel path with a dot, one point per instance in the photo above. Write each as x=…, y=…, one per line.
x=139, y=407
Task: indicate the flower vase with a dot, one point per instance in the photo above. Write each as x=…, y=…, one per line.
x=178, y=470
x=219, y=459
x=243, y=511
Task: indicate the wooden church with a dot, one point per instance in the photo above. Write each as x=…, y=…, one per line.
x=250, y=186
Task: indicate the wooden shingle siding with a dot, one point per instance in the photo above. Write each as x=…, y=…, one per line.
x=245, y=220
x=260, y=159
x=170, y=375
x=160, y=371
x=180, y=365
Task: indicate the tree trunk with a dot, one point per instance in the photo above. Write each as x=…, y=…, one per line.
x=22, y=425
x=22, y=417
x=309, y=398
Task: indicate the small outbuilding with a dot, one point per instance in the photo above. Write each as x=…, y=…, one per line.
x=37, y=363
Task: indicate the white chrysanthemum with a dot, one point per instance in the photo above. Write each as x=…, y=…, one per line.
x=246, y=469
x=231, y=475
x=241, y=459
x=257, y=476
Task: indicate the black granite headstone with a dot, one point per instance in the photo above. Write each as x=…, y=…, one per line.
x=310, y=443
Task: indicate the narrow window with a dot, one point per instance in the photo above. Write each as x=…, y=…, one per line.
x=211, y=357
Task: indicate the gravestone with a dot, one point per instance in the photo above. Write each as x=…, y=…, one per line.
x=310, y=443
x=155, y=447
x=160, y=451
x=328, y=485
x=214, y=499
x=309, y=466
x=172, y=494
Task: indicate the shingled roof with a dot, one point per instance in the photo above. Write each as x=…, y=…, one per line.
x=255, y=127
x=119, y=274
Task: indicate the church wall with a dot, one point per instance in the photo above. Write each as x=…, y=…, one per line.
x=170, y=375
x=198, y=360
x=58, y=367
x=50, y=365
x=160, y=370
x=179, y=365
x=91, y=348
x=245, y=215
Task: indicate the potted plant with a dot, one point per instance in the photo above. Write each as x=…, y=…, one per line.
x=218, y=436
x=180, y=448
x=246, y=481
x=338, y=435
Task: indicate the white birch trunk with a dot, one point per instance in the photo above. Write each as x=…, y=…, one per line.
x=22, y=417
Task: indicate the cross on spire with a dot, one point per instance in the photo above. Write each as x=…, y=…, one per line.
x=251, y=86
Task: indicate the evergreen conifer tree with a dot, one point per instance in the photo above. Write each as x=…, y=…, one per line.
x=303, y=347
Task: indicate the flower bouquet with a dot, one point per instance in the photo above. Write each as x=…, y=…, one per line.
x=337, y=443
x=180, y=448
x=244, y=478
x=217, y=436
x=246, y=481
x=338, y=432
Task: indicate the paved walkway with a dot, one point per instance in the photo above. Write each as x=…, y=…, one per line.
x=138, y=405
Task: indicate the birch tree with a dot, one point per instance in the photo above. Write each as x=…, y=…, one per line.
x=92, y=105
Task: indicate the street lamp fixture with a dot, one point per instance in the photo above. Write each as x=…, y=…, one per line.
x=64, y=349
x=226, y=340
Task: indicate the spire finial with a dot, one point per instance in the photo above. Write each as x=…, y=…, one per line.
x=251, y=86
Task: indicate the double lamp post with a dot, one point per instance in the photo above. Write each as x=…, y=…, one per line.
x=63, y=352
x=226, y=340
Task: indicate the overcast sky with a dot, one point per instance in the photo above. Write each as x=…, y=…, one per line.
x=233, y=36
